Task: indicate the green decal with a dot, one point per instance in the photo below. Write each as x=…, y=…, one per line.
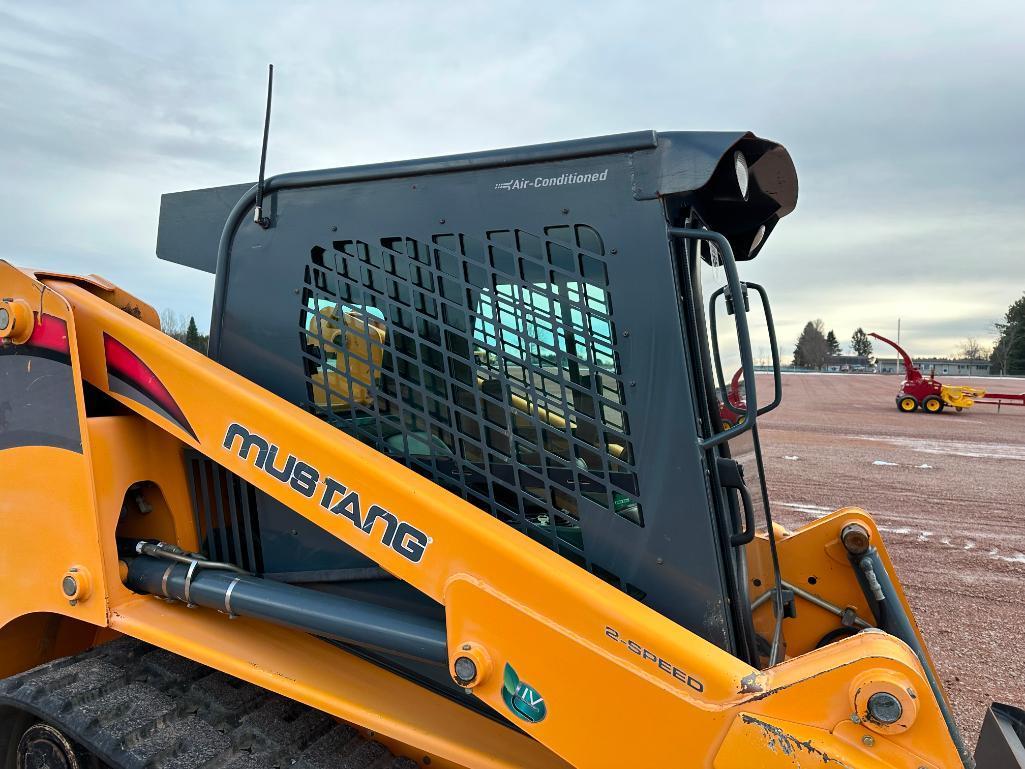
x=521, y=698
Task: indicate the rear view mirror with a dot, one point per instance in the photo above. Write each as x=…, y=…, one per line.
x=729, y=265
x=727, y=373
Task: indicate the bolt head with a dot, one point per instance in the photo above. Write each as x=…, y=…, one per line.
x=869, y=740
x=884, y=708
x=5, y=318
x=855, y=538
x=466, y=670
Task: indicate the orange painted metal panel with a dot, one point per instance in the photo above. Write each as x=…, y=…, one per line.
x=619, y=683
x=327, y=678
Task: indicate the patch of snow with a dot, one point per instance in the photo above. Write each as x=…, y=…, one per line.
x=791, y=458
x=923, y=467
x=951, y=448
x=881, y=463
x=817, y=511
x=923, y=536
x=890, y=530
x=1016, y=558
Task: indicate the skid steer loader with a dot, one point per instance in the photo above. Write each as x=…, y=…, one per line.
x=451, y=488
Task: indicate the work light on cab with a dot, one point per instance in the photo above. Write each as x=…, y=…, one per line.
x=740, y=166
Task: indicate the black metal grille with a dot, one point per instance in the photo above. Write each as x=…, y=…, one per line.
x=487, y=364
x=225, y=511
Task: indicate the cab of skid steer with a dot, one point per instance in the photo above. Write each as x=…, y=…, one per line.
x=528, y=328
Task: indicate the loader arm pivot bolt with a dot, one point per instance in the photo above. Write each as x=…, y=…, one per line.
x=16, y=320
x=855, y=538
x=466, y=671
x=472, y=667
x=884, y=708
x=76, y=585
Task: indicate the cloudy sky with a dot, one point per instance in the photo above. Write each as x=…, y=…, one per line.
x=906, y=122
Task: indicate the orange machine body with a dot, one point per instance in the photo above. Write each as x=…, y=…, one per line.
x=621, y=684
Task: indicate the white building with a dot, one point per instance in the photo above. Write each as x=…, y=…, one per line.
x=942, y=366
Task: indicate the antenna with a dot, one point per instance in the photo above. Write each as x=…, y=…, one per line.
x=258, y=216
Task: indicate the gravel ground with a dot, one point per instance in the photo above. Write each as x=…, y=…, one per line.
x=948, y=491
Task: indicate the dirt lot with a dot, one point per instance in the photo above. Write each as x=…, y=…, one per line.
x=948, y=492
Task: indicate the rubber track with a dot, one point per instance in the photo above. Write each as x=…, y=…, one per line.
x=138, y=707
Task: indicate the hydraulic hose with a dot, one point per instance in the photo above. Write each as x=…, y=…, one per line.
x=880, y=590
x=322, y=614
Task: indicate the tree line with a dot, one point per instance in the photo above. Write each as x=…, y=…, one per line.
x=185, y=331
x=815, y=345
x=1006, y=357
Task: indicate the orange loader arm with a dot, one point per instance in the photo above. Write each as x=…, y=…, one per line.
x=621, y=684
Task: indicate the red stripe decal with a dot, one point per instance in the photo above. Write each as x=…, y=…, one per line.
x=51, y=333
x=129, y=368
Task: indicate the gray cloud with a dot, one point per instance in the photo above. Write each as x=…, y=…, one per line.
x=904, y=120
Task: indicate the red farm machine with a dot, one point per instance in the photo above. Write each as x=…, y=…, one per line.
x=731, y=410
x=927, y=393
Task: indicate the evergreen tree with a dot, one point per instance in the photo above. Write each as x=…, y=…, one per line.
x=834, y=345
x=812, y=347
x=860, y=343
x=175, y=326
x=1009, y=353
x=192, y=338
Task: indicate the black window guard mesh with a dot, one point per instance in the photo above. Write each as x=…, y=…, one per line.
x=488, y=365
